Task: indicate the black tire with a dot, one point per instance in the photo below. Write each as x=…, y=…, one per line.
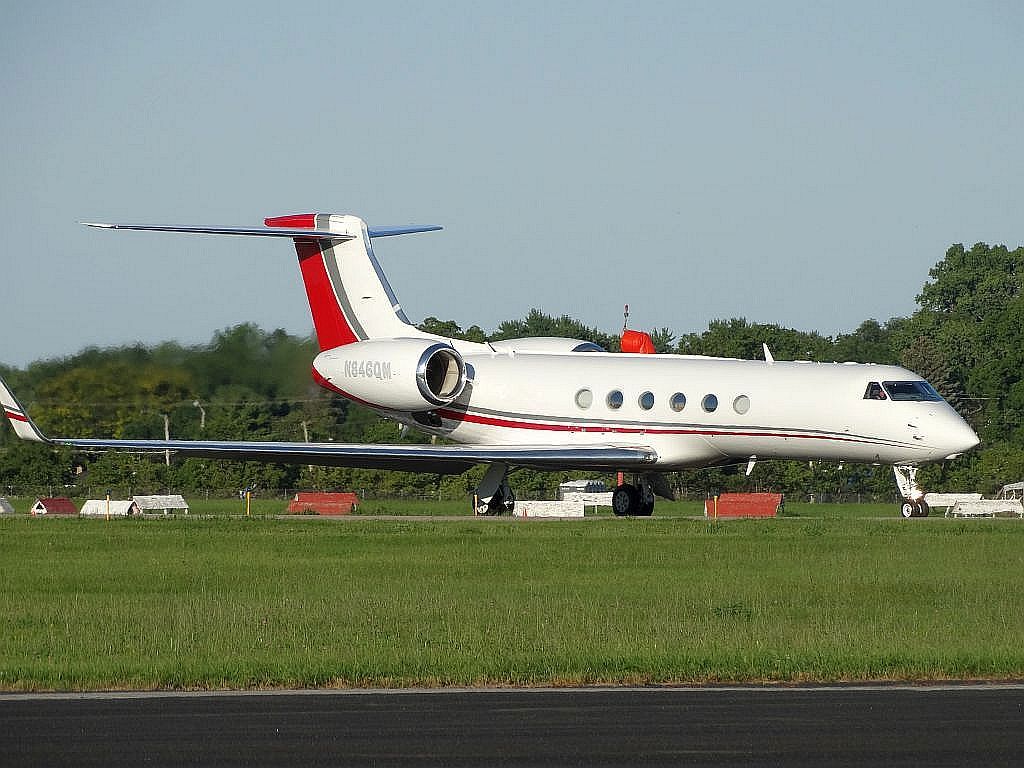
x=923, y=509
x=908, y=509
x=503, y=502
x=625, y=500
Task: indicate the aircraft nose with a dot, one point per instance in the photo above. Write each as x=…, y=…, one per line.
x=960, y=438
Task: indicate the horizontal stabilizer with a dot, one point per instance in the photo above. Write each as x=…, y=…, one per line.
x=273, y=231
x=312, y=234
x=402, y=229
x=313, y=220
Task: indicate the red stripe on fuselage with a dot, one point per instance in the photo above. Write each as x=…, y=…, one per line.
x=330, y=387
x=332, y=329
x=473, y=418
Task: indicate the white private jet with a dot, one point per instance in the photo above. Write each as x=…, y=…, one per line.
x=563, y=404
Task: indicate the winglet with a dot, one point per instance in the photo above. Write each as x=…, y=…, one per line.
x=24, y=427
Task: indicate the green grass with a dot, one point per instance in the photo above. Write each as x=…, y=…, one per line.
x=231, y=603
x=416, y=507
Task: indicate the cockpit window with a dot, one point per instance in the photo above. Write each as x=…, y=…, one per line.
x=911, y=390
x=588, y=346
x=875, y=392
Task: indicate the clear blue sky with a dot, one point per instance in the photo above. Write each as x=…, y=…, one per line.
x=794, y=163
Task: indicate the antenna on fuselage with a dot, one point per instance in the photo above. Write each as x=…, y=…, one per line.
x=625, y=318
x=767, y=354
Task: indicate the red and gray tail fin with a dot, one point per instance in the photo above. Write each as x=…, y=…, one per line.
x=349, y=296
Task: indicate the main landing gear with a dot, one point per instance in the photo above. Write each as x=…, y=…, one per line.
x=913, y=504
x=634, y=499
x=494, y=496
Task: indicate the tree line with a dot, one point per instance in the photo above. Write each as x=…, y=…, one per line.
x=966, y=337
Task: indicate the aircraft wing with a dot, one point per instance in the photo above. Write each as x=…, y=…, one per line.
x=441, y=459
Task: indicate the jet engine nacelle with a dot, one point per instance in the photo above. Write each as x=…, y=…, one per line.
x=398, y=374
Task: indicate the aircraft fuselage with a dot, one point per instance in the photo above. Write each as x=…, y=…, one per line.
x=693, y=411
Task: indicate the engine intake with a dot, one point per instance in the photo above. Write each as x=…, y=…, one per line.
x=409, y=375
x=441, y=374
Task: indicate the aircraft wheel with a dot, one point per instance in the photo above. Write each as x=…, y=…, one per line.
x=503, y=502
x=923, y=509
x=908, y=509
x=508, y=503
x=646, y=509
x=626, y=500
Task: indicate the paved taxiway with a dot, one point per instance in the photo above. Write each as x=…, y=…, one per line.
x=953, y=725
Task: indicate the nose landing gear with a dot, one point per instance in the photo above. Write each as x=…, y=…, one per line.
x=913, y=504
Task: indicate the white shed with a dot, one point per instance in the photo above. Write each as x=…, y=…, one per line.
x=5, y=507
x=589, y=492
x=1012, y=491
x=164, y=503
x=582, y=486
x=117, y=508
x=53, y=505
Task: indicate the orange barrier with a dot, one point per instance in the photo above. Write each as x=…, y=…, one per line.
x=323, y=503
x=744, y=505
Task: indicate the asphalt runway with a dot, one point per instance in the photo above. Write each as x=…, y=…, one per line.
x=955, y=725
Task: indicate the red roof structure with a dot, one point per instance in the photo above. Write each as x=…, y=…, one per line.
x=323, y=503
x=54, y=505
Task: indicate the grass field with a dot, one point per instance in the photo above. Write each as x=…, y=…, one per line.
x=232, y=603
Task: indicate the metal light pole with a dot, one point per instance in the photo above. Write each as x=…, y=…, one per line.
x=305, y=435
x=167, y=436
x=202, y=414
